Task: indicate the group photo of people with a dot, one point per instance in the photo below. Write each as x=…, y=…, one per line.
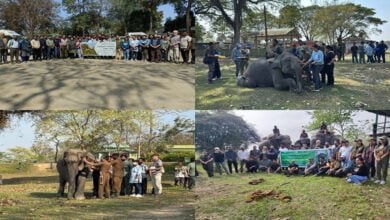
x=169, y=47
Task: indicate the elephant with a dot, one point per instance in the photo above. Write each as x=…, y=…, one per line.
x=284, y=72
x=74, y=171
x=276, y=141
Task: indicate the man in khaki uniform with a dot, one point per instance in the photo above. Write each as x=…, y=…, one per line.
x=104, y=181
x=3, y=48
x=117, y=174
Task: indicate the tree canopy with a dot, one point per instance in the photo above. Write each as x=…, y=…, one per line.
x=220, y=129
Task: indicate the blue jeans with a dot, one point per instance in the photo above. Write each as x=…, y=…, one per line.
x=238, y=66
x=316, y=75
x=49, y=53
x=133, y=55
x=138, y=188
x=56, y=52
x=79, y=53
x=126, y=54
x=357, y=179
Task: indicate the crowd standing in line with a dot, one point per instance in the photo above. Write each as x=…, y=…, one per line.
x=169, y=47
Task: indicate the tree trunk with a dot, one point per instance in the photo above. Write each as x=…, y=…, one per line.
x=188, y=17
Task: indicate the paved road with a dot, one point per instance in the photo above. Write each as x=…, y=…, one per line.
x=96, y=84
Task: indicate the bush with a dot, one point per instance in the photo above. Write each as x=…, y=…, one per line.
x=176, y=156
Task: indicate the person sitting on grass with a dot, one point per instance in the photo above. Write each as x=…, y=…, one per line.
x=275, y=167
x=346, y=167
x=359, y=174
x=311, y=168
x=292, y=169
x=322, y=167
x=251, y=165
x=265, y=164
x=334, y=165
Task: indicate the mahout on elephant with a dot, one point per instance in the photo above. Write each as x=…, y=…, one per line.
x=283, y=73
x=74, y=171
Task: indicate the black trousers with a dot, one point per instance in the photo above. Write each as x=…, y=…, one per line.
x=144, y=185
x=235, y=166
x=36, y=54
x=185, y=55
x=95, y=178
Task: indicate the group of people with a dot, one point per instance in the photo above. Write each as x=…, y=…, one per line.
x=185, y=176
x=169, y=47
x=375, y=52
x=356, y=163
x=117, y=175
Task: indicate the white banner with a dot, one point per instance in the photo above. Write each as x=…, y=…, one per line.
x=99, y=49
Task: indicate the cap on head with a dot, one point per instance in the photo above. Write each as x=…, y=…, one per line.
x=238, y=45
x=216, y=148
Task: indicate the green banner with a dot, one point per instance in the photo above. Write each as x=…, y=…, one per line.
x=301, y=157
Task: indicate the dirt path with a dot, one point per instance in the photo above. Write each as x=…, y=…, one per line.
x=96, y=84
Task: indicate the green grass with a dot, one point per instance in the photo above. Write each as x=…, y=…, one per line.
x=32, y=195
x=223, y=197
x=366, y=83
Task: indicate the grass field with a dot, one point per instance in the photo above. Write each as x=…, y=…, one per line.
x=365, y=83
x=223, y=197
x=31, y=194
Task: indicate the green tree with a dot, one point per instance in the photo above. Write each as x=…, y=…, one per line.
x=337, y=120
x=233, y=12
x=29, y=17
x=219, y=129
x=21, y=154
x=338, y=22
x=306, y=24
x=289, y=16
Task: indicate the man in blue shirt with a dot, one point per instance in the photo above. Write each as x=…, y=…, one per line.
x=317, y=63
x=236, y=57
x=155, y=45
x=125, y=45
x=144, y=42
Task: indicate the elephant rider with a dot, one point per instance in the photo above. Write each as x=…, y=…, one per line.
x=117, y=174
x=104, y=183
x=274, y=51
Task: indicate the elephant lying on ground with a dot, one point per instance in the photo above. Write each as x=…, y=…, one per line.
x=285, y=72
x=74, y=171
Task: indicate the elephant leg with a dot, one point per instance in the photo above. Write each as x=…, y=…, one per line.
x=61, y=187
x=245, y=82
x=279, y=82
x=80, y=186
x=71, y=188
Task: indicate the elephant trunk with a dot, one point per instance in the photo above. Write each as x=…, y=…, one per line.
x=72, y=170
x=298, y=78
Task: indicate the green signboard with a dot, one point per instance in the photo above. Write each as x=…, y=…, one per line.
x=301, y=157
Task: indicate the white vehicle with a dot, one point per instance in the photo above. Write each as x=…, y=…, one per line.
x=9, y=33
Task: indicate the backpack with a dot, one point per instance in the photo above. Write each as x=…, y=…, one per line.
x=207, y=59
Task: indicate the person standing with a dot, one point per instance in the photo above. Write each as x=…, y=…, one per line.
x=155, y=46
x=370, y=53
x=156, y=173
x=25, y=47
x=117, y=174
x=231, y=157
x=50, y=48
x=56, y=42
x=207, y=163
x=219, y=158
x=144, y=173
x=185, y=46
x=127, y=166
x=174, y=47
x=329, y=66
x=362, y=52
x=317, y=63
x=43, y=50
x=134, y=45
x=381, y=154
x=104, y=178
x=243, y=156
x=36, y=48
x=144, y=42
x=164, y=48
x=354, y=51
x=236, y=57
x=211, y=56
x=136, y=178
x=369, y=158
x=125, y=48
x=382, y=47
x=13, y=45
x=192, y=174
x=3, y=48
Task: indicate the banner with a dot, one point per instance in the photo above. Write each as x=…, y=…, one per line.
x=301, y=157
x=98, y=49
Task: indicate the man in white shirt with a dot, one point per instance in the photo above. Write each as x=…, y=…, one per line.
x=185, y=45
x=345, y=149
x=13, y=45
x=36, y=48
x=243, y=156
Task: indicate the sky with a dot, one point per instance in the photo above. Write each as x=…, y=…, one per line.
x=21, y=131
x=289, y=122
x=381, y=8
